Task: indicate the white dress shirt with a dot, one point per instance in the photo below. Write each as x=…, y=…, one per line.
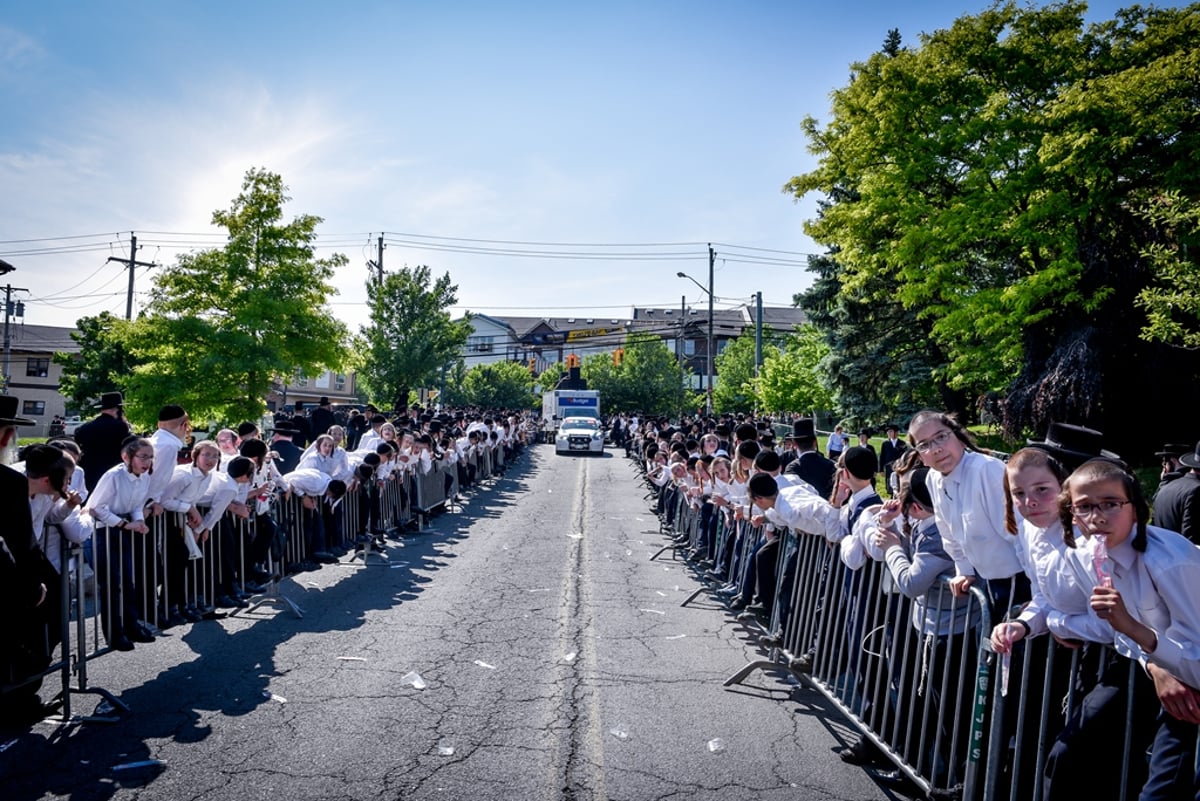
x=1161, y=589
x=1060, y=598
x=307, y=482
x=166, y=454
x=969, y=507
x=118, y=495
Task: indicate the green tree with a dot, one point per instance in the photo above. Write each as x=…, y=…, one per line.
x=499, y=385
x=881, y=361
x=649, y=378
x=792, y=376
x=104, y=361
x=453, y=385
x=410, y=337
x=996, y=177
x=734, y=389
x=224, y=324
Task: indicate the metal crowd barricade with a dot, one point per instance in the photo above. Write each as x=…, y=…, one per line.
x=679, y=518
x=922, y=699
x=429, y=493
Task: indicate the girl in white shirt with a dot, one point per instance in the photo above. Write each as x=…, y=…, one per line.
x=1148, y=589
x=970, y=508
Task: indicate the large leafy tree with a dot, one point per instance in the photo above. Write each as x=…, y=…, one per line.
x=734, y=391
x=104, y=362
x=881, y=360
x=410, y=338
x=792, y=375
x=998, y=178
x=498, y=385
x=224, y=324
x=649, y=378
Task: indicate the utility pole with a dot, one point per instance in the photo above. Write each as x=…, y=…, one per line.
x=758, y=328
x=708, y=407
x=131, y=263
x=679, y=351
x=377, y=264
x=8, y=313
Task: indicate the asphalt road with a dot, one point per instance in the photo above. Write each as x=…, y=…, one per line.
x=556, y=660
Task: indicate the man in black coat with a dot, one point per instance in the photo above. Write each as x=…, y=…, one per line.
x=283, y=444
x=22, y=589
x=1177, y=504
x=322, y=418
x=891, y=450
x=100, y=438
x=810, y=465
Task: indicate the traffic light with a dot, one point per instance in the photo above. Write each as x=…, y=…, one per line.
x=533, y=364
x=618, y=356
x=572, y=360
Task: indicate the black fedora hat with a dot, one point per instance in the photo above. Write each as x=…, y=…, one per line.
x=8, y=413
x=1191, y=458
x=111, y=400
x=804, y=428
x=1073, y=445
x=1173, y=450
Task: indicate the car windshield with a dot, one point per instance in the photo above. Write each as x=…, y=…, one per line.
x=580, y=422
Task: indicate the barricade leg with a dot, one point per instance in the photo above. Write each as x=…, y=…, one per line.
x=274, y=595
x=110, y=707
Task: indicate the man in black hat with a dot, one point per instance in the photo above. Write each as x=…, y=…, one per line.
x=299, y=423
x=891, y=450
x=810, y=465
x=100, y=438
x=1171, y=469
x=1177, y=505
x=322, y=418
x=282, y=443
x=21, y=588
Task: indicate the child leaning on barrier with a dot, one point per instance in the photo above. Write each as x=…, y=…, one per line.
x=1084, y=758
x=917, y=562
x=1147, y=587
x=967, y=487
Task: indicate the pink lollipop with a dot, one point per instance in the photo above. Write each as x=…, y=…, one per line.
x=1100, y=561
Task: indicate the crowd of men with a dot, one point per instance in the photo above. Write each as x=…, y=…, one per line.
x=107, y=487
x=1057, y=537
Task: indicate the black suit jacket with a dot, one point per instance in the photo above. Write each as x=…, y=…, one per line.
x=1177, y=507
x=889, y=453
x=100, y=440
x=320, y=422
x=815, y=469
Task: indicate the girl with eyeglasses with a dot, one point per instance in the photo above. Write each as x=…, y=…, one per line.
x=1147, y=588
x=970, y=507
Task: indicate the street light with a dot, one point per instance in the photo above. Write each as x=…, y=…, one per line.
x=708, y=403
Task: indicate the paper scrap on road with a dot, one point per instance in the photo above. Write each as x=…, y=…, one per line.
x=352, y=658
x=145, y=763
x=483, y=664
x=676, y=636
x=414, y=678
x=274, y=697
x=620, y=732
x=660, y=592
x=653, y=611
x=445, y=750
x=5, y=746
x=575, y=536
x=628, y=552
x=541, y=589
x=716, y=745
x=569, y=657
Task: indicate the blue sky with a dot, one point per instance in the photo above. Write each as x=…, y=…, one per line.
x=634, y=123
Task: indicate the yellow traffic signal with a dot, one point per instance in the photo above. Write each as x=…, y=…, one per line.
x=618, y=356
